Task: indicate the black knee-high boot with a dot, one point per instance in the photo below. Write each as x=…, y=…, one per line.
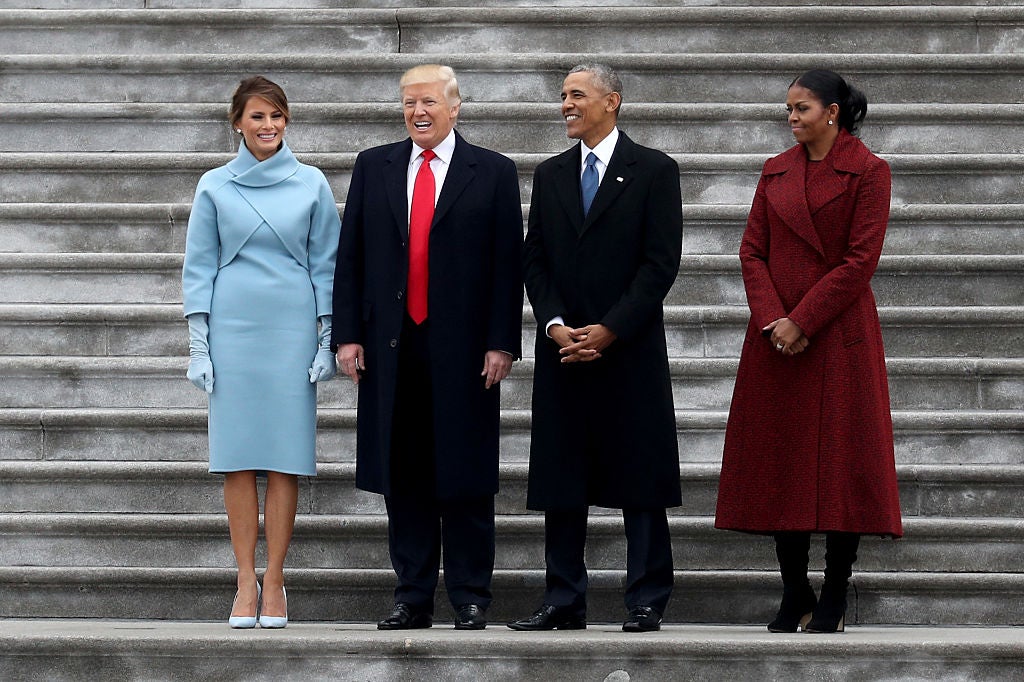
x=798, y=599
x=840, y=554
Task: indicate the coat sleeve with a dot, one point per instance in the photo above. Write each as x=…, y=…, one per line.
x=837, y=290
x=202, y=252
x=662, y=231
x=322, y=249
x=540, y=286
x=505, y=327
x=762, y=298
x=348, y=271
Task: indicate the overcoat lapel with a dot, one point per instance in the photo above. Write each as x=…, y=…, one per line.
x=396, y=179
x=617, y=177
x=788, y=195
x=460, y=174
x=567, y=181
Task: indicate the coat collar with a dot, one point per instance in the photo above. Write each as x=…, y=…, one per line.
x=249, y=171
x=619, y=174
x=795, y=201
x=396, y=178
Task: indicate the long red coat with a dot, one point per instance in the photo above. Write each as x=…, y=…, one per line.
x=809, y=445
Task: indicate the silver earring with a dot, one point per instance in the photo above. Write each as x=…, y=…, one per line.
x=239, y=130
x=830, y=123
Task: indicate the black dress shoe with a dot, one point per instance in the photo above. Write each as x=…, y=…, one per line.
x=642, y=619
x=403, y=617
x=470, y=617
x=550, y=617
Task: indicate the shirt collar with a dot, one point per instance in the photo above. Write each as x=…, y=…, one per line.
x=444, y=149
x=602, y=150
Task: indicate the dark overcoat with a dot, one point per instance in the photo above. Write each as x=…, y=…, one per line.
x=809, y=444
x=604, y=432
x=475, y=297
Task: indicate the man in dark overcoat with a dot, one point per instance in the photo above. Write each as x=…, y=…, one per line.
x=602, y=251
x=427, y=322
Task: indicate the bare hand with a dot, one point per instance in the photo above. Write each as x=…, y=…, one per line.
x=352, y=360
x=497, y=365
x=588, y=342
x=787, y=337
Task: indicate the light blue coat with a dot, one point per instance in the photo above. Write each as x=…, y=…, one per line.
x=259, y=260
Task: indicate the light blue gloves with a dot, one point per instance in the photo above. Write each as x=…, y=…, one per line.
x=324, y=365
x=200, y=369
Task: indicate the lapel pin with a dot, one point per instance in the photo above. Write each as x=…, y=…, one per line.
x=618, y=179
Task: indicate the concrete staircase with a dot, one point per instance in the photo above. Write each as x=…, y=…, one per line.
x=107, y=512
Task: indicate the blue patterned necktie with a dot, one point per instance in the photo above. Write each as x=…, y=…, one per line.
x=588, y=183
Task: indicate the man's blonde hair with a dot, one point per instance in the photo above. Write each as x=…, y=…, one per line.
x=433, y=73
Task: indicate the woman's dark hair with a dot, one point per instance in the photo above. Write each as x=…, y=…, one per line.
x=829, y=87
x=257, y=86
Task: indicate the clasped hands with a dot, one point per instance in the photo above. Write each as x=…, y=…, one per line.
x=352, y=361
x=786, y=336
x=583, y=344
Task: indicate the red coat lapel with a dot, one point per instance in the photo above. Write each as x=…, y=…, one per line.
x=787, y=194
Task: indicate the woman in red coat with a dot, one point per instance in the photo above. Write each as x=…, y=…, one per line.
x=809, y=447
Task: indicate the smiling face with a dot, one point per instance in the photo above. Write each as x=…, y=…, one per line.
x=588, y=110
x=808, y=117
x=262, y=125
x=429, y=116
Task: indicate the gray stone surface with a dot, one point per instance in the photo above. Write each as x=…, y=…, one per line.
x=71, y=650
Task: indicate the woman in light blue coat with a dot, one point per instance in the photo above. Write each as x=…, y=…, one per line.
x=259, y=267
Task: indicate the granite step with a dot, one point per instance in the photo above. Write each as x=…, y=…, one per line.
x=692, y=331
x=873, y=30
x=697, y=383
x=321, y=4
x=98, y=539
x=159, y=177
x=155, y=278
x=707, y=228
x=927, y=491
x=64, y=649
x=707, y=127
x=218, y=31
x=364, y=595
x=667, y=77
x=74, y=435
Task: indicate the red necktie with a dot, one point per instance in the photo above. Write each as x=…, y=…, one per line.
x=420, y=217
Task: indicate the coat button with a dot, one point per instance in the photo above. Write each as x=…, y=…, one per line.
x=398, y=296
x=393, y=343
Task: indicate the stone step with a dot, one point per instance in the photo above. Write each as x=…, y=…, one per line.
x=871, y=30
x=705, y=128
x=62, y=649
x=707, y=228
x=155, y=278
x=152, y=487
x=738, y=77
x=706, y=178
x=365, y=595
x=68, y=435
x=692, y=331
x=149, y=32
x=697, y=383
x=319, y=4
x=95, y=539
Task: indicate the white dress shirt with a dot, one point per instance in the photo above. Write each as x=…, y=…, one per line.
x=603, y=151
x=439, y=166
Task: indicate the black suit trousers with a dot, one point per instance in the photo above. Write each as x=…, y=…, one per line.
x=421, y=526
x=649, y=575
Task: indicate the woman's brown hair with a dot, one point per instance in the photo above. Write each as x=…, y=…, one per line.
x=257, y=86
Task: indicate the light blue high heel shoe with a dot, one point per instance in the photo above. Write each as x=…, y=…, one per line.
x=246, y=622
x=273, y=622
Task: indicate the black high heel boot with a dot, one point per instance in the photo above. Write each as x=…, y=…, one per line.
x=840, y=554
x=798, y=599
